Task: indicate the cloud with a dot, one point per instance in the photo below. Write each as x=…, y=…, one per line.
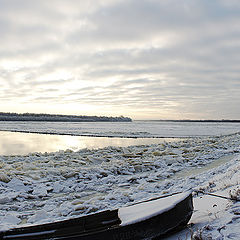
x=146, y=59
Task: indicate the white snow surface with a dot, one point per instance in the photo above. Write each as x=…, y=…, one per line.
x=46, y=187
x=135, y=129
x=143, y=211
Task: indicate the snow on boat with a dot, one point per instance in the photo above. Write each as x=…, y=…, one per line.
x=144, y=220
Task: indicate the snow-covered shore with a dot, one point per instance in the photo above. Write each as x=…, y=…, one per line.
x=215, y=217
x=45, y=187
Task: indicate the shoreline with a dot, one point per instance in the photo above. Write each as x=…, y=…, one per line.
x=215, y=217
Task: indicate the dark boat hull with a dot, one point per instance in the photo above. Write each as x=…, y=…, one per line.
x=107, y=226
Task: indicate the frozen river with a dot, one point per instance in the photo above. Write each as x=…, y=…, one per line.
x=135, y=129
x=116, y=165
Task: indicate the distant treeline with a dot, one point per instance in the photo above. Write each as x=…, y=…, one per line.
x=189, y=120
x=59, y=118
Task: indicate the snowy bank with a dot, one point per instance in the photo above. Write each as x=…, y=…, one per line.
x=45, y=187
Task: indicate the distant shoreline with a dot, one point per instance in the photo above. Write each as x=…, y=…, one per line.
x=59, y=118
x=189, y=120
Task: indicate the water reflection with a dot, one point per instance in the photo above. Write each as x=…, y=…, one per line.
x=14, y=143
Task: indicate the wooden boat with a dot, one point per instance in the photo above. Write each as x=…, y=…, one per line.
x=144, y=220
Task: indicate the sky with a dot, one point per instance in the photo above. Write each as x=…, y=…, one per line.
x=145, y=59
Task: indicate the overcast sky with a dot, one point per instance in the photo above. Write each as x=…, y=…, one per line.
x=146, y=59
